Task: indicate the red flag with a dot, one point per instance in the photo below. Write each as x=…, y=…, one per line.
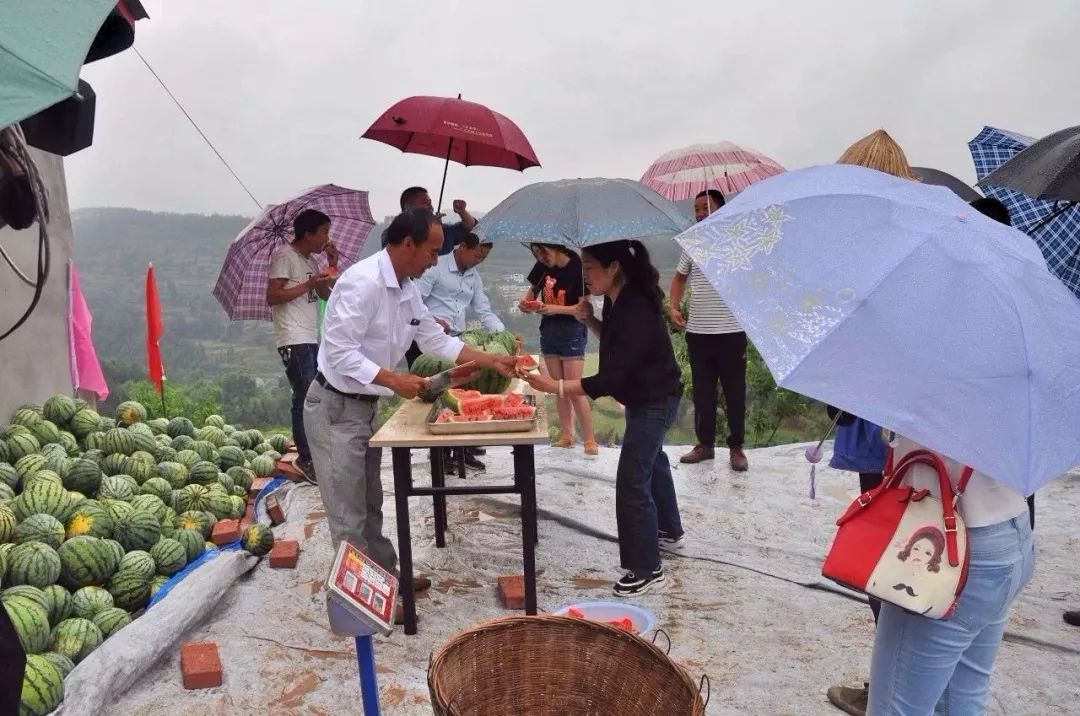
x=155, y=329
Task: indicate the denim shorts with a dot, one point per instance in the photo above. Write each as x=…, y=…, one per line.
x=565, y=339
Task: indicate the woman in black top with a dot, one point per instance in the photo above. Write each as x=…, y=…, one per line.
x=555, y=287
x=637, y=368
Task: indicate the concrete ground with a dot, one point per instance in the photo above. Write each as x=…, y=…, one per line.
x=741, y=603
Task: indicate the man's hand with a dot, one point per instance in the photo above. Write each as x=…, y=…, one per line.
x=459, y=206
x=332, y=255
x=583, y=310
x=504, y=365
x=444, y=324
x=318, y=282
x=408, y=386
x=677, y=317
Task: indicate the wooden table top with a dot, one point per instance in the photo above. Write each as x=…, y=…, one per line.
x=408, y=428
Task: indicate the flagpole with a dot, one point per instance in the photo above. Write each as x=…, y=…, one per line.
x=164, y=412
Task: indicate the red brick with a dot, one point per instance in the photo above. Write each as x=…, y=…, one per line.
x=225, y=531
x=274, y=509
x=257, y=485
x=285, y=468
x=249, y=512
x=200, y=665
x=285, y=554
x=512, y=591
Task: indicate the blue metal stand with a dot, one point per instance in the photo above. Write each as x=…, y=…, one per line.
x=369, y=684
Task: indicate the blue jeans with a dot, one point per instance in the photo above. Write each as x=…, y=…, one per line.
x=563, y=338
x=923, y=666
x=300, y=368
x=645, y=501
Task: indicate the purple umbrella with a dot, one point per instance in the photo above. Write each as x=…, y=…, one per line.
x=241, y=286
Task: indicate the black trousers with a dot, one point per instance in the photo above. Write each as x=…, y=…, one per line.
x=12, y=665
x=718, y=358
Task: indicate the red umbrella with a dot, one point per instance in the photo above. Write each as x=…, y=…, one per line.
x=465, y=132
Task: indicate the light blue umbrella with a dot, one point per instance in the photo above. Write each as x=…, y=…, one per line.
x=898, y=302
x=43, y=44
x=580, y=212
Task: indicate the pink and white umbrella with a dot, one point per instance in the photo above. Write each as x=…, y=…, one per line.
x=684, y=173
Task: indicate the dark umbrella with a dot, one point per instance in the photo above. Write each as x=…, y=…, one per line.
x=940, y=178
x=454, y=129
x=1048, y=169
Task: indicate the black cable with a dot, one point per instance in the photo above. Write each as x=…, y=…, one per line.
x=42, y=274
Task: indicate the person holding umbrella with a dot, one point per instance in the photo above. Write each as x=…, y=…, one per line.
x=638, y=369
x=374, y=314
x=417, y=197
x=294, y=288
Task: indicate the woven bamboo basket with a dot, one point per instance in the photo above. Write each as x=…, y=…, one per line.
x=557, y=666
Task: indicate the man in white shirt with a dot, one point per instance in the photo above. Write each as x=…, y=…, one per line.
x=450, y=289
x=293, y=291
x=717, y=346
x=373, y=315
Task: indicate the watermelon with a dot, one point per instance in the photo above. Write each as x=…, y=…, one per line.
x=7, y=525
x=479, y=406
x=202, y=522
x=219, y=504
x=9, y=475
x=85, y=422
x=239, y=506
x=85, y=561
x=213, y=435
x=31, y=621
x=45, y=431
x=215, y=421
x=206, y=451
x=518, y=412
x=63, y=664
x=139, y=562
x=182, y=442
x=115, y=487
x=130, y=412
x=180, y=426
x=42, y=687
x=279, y=442
x=75, y=638
x=111, y=620
x=96, y=456
x=144, y=442
x=25, y=591
x=476, y=337
x=158, y=487
x=114, y=552
x=174, y=473
x=241, y=476
x=159, y=426
x=151, y=504
x=113, y=464
x=6, y=494
x=229, y=457
x=27, y=465
x=4, y=454
x=203, y=473
x=57, y=460
x=226, y=482
x=119, y=441
x=106, y=424
x=42, y=497
x=40, y=528
x=27, y=415
x=138, y=530
x=94, y=441
x=60, y=605
x=83, y=476
x=42, y=475
x=188, y=458
x=22, y=444
x=453, y=397
x=130, y=590
x=33, y=563
x=169, y=555
x=262, y=466
x=240, y=492
x=117, y=509
x=89, y=518
x=193, y=542
x=157, y=582
x=194, y=497
x=257, y=539
x=88, y=601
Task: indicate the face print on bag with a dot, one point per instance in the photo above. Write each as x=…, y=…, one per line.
x=922, y=556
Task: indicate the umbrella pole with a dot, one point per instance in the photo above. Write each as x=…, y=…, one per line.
x=446, y=167
x=1051, y=216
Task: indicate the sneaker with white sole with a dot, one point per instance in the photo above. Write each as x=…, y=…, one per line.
x=308, y=468
x=671, y=542
x=631, y=586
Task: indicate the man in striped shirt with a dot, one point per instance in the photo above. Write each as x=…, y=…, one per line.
x=717, y=346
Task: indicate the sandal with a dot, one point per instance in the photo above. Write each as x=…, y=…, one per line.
x=591, y=447
x=566, y=441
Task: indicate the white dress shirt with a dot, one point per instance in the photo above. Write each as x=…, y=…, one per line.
x=371, y=320
x=448, y=291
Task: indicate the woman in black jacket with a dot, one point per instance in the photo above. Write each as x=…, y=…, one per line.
x=638, y=369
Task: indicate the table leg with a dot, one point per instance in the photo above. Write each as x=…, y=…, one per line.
x=438, y=479
x=402, y=488
x=461, y=463
x=525, y=481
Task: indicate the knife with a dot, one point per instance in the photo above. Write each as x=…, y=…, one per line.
x=444, y=380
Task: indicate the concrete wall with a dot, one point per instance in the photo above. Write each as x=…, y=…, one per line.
x=34, y=360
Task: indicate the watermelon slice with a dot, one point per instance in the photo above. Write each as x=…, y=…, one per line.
x=513, y=400
x=470, y=418
x=519, y=412
x=454, y=396
x=526, y=362
x=480, y=404
x=532, y=305
x=444, y=415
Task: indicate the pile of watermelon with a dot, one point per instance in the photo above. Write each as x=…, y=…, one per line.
x=97, y=513
x=465, y=406
x=486, y=380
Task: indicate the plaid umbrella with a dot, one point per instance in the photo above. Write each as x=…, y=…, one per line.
x=241, y=286
x=1058, y=236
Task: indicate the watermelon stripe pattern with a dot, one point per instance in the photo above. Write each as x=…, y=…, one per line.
x=42, y=687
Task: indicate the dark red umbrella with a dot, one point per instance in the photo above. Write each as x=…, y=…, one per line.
x=454, y=129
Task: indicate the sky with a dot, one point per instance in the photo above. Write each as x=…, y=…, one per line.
x=285, y=88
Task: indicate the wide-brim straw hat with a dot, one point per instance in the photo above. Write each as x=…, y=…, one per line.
x=879, y=151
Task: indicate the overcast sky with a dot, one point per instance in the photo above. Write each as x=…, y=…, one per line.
x=284, y=88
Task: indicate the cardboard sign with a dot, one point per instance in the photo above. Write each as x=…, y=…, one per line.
x=362, y=590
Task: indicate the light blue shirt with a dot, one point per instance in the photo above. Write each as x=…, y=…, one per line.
x=448, y=292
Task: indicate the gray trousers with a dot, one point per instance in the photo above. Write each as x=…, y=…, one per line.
x=350, y=472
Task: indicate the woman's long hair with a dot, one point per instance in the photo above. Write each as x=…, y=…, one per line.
x=878, y=150
x=637, y=269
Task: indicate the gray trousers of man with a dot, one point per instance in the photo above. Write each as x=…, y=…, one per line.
x=350, y=471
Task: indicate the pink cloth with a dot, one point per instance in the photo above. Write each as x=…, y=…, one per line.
x=85, y=369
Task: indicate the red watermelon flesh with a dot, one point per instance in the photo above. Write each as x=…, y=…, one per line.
x=444, y=415
x=470, y=418
x=518, y=412
x=514, y=400
x=526, y=362
x=454, y=396
x=477, y=406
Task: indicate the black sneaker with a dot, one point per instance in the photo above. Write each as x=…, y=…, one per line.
x=477, y=450
x=670, y=542
x=306, y=467
x=471, y=463
x=631, y=586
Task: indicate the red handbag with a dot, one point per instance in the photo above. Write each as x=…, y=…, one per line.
x=903, y=545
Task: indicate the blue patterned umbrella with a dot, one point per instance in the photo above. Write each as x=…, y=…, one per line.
x=1054, y=226
x=580, y=212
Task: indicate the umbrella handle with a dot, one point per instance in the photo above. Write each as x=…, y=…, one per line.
x=446, y=167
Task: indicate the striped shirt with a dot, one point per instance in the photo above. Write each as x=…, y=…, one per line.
x=708, y=312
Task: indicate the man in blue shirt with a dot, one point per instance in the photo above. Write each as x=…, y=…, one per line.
x=417, y=197
x=449, y=289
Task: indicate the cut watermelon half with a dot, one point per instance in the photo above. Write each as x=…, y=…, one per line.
x=526, y=362
x=455, y=396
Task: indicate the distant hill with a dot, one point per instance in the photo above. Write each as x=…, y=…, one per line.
x=113, y=247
